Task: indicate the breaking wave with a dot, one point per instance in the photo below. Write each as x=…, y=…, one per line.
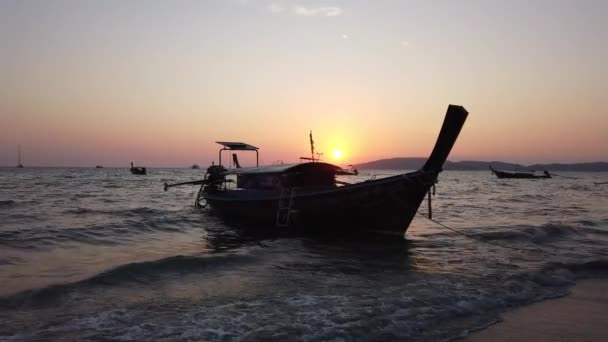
x=126, y=275
x=584, y=269
x=133, y=224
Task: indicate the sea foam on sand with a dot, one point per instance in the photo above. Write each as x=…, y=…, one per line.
x=580, y=316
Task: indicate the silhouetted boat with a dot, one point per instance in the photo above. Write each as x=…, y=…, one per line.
x=99, y=167
x=195, y=167
x=138, y=170
x=19, y=165
x=527, y=175
x=308, y=196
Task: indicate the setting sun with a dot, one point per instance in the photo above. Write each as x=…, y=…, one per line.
x=337, y=154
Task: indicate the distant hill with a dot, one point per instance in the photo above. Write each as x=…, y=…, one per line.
x=393, y=164
x=416, y=163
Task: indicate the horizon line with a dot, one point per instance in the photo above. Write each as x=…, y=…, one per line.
x=353, y=164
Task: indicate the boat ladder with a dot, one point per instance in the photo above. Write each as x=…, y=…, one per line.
x=285, y=205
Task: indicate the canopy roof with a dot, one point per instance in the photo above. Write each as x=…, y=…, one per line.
x=238, y=146
x=285, y=168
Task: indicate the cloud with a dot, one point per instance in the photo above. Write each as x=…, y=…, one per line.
x=326, y=11
x=276, y=8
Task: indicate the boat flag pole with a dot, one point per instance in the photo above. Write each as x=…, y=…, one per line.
x=312, y=147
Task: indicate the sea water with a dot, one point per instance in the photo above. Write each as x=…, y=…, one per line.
x=102, y=254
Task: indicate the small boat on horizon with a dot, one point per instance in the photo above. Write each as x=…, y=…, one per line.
x=520, y=174
x=195, y=167
x=138, y=170
x=308, y=196
x=19, y=164
x=99, y=167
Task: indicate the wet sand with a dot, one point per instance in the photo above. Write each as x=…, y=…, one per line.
x=580, y=316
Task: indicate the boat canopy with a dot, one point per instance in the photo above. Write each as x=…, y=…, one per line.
x=287, y=168
x=277, y=177
x=237, y=146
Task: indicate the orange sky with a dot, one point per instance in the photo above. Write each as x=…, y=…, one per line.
x=110, y=81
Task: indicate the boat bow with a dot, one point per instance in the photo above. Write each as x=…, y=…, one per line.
x=452, y=124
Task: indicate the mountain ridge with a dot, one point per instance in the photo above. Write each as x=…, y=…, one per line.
x=416, y=163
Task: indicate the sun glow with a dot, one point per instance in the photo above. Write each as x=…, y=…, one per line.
x=337, y=154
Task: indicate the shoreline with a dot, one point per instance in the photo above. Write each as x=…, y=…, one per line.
x=580, y=315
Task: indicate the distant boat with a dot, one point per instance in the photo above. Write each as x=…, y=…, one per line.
x=99, y=167
x=138, y=170
x=308, y=195
x=195, y=166
x=19, y=165
x=521, y=175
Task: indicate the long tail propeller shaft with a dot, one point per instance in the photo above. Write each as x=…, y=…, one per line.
x=198, y=182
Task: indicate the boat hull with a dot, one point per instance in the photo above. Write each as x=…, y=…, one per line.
x=386, y=205
x=139, y=170
x=518, y=175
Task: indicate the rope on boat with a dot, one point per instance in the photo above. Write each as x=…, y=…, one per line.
x=505, y=246
x=484, y=241
x=430, y=218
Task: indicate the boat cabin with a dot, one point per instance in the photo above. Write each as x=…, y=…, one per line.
x=313, y=174
x=276, y=177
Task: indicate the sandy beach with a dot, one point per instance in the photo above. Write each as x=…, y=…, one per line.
x=580, y=316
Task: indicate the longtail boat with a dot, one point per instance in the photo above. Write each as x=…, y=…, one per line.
x=519, y=174
x=308, y=196
x=138, y=170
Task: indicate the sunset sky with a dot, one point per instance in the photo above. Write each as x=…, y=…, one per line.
x=158, y=82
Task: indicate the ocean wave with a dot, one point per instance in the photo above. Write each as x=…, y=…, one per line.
x=549, y=281
x=139, y=273
x=112, y=186
x=527, y=198
x=10, y=260
x=110, y=234
x=84, y=195
x=584, y=269
x=11, y=204
x=587, y=223
x=440, y=308
x=139, y=211
x=7, y=203
x=579, y=187
x=596, y=226
x=537, y=234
